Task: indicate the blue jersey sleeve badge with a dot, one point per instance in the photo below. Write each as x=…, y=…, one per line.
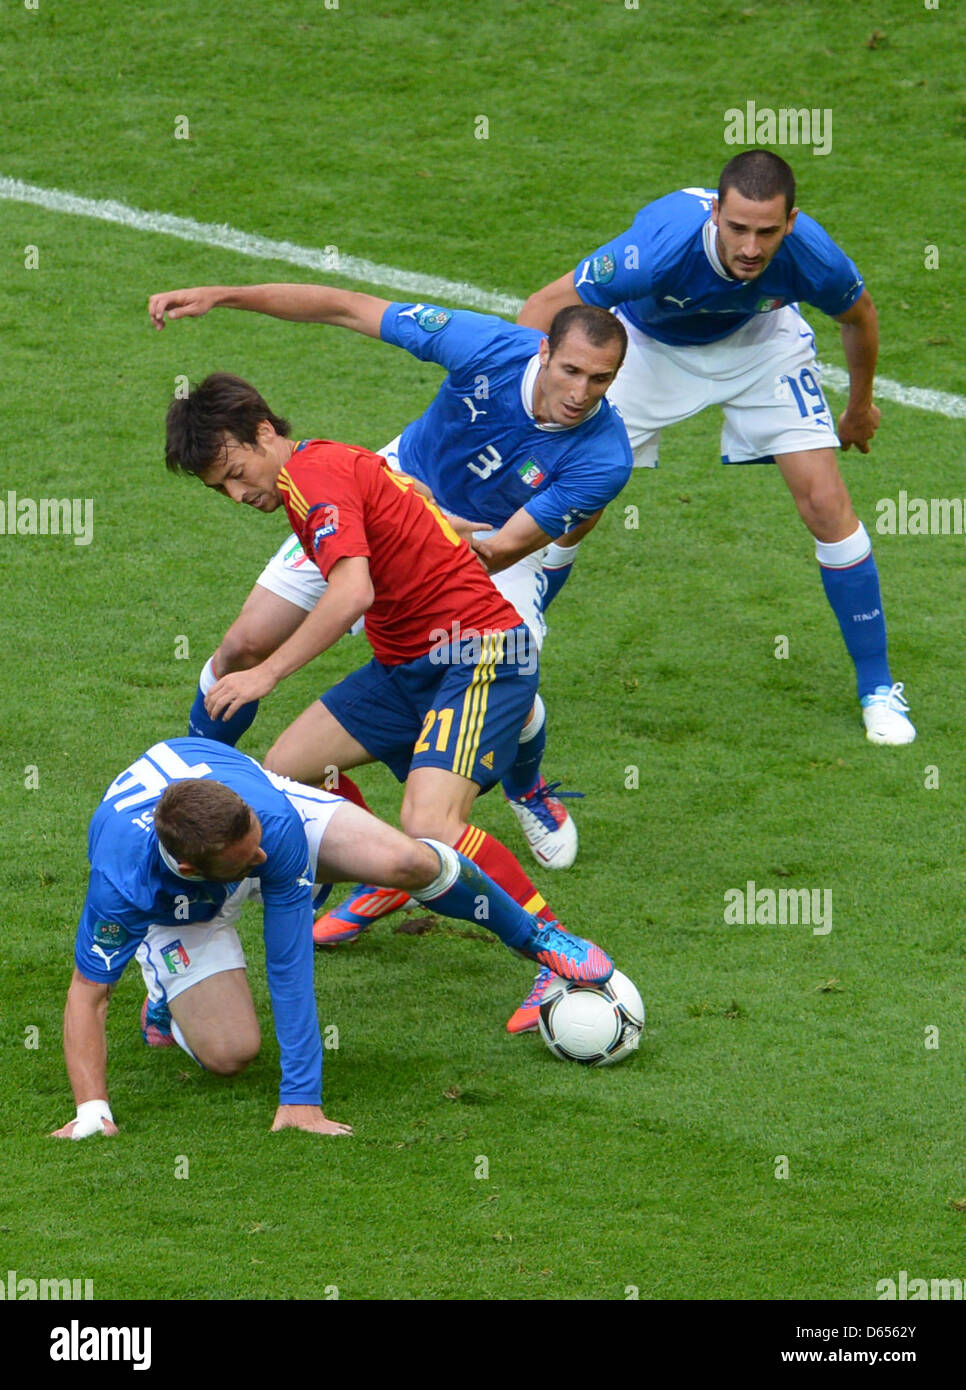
x=603, y=269
x=431, y=320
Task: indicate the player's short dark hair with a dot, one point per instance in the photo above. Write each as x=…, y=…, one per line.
x=597, y=325
x=758, y=175
x=197, y=819
x=197, y=424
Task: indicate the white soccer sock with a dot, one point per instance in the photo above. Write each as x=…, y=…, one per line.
x=207, y=679
x=449, y=871
x=558, y=557
x=181, y=1040
x=537, y=721
x=836, y=555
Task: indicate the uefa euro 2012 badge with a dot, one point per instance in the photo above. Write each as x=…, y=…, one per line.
x=433, y=319
x=109, y=934
x=602, y=268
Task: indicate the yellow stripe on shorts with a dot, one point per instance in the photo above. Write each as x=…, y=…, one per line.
x=474, y=704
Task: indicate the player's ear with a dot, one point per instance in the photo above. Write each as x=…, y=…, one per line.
x=544, y=351
x=264, y=433
x=791, y=220
x=715, y=212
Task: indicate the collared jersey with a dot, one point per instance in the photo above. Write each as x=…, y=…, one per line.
x=478, y=446
x=665, y=276
x=345, y=501
x=132, y=887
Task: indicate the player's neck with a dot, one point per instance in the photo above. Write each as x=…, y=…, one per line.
x=538, y=404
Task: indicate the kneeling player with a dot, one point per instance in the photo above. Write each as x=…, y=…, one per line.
x=181, y=839
x=455, y=670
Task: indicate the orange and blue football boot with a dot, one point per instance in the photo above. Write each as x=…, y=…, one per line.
x=156, y=1024
x=362, y=907
x=525, y=1018
x=569, y=956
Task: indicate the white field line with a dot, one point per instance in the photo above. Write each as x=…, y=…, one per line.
x=432, y=288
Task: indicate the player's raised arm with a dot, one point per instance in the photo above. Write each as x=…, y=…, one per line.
x=297, y=303
x=860, y=342
x=85, y=1052
x=540, y=308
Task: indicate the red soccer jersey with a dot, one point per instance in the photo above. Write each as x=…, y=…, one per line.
x=345, y=501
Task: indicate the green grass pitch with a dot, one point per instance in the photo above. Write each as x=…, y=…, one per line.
x=481, y=1167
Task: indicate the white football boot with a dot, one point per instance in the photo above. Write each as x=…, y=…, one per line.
x=884, y=716
x=547, y=824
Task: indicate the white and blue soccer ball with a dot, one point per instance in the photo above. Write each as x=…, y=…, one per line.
x=592, y=1024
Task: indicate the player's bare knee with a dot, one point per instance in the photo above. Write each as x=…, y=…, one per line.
x=275, y=760
x=413, y=864
x=828, y=514
x=230, y=1056
x=429, y=823
x=240, y=650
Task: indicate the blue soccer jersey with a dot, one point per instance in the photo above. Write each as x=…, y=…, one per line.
x=479, y=448
x=132, y=887
x=665, y=275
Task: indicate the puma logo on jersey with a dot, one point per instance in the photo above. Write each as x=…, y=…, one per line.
x=468, y=402
x=599, y=270
x=411, y=313
x=669, y=298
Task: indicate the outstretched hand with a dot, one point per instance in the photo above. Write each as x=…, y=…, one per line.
x=180, y=304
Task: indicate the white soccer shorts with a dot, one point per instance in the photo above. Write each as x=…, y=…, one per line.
x=293, y=576
x=764, y=376
x=173, y=958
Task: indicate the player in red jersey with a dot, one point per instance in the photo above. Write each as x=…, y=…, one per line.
x=455, y=669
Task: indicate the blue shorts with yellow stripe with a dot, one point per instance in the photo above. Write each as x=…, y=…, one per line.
x=461, y=707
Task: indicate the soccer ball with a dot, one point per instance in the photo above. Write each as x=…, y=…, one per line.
x=592, y=1024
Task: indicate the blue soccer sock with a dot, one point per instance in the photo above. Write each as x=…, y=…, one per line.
x=851, y=583
x=200, y=722
x=524, y=773
x=557, y=564
x=462, y=890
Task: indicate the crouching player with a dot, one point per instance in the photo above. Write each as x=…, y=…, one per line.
x=455, y=670
x=182, y=838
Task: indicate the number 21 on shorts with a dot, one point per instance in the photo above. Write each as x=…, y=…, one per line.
x=445, y=717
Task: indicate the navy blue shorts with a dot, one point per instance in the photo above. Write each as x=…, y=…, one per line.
x=461, y=707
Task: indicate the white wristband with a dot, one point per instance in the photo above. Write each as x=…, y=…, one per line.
x=91, y=1115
